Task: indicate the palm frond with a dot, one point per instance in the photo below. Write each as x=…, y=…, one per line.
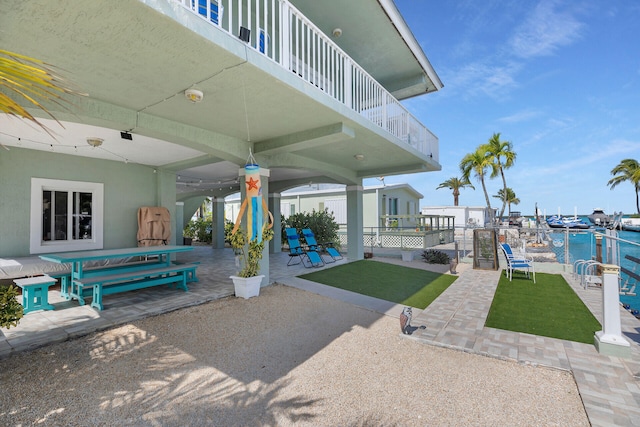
x=33, y=82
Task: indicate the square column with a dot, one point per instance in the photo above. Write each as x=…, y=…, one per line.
x=217, y=208
x=355, y=244
x=275, y=245
x=609, y=340
x=264, y=184
x=179, y=220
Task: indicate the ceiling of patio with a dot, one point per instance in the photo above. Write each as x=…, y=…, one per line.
x=135, y=65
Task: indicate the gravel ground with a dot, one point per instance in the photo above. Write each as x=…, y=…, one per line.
x=288, y=357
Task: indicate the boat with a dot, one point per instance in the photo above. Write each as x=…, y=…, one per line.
x=599, y=218
x=556, y=221
x=630, y=224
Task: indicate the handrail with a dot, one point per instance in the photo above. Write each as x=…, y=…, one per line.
x=282, y=33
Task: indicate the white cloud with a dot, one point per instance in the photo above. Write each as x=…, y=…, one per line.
x=519, y=117
x=547, y=29
x=478, y=78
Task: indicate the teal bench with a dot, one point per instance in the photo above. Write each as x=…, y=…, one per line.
x=65, y=275
x=35, y=291
x=191, y=274
x=108, y=284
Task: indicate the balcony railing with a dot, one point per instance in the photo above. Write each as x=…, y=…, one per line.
x=278, y=30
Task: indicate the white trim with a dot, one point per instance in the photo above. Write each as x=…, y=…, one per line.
x=403, y=29
x=36, y=244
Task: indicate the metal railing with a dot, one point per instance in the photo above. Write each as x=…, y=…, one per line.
x=282, y=33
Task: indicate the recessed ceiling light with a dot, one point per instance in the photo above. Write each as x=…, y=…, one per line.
x=359, y=157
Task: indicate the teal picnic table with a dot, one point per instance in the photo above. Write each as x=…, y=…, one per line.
x=152, y=256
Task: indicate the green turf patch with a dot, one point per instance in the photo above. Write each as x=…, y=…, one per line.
x=402, y=285
x=548, y=308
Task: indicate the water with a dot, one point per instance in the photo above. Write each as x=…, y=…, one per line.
x=582, y=245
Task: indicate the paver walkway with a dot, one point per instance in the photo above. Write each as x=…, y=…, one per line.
x=609, y=386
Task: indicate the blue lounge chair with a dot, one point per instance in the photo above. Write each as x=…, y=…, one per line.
x=296, y=250
x=310, y=238
x=517, y=263
x=215, y=10
x=263, y=41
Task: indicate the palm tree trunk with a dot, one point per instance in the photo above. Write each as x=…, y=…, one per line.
x=486, y=197
x=504, y=199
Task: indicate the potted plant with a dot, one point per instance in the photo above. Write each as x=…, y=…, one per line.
x=407, y=253
x=247, y=281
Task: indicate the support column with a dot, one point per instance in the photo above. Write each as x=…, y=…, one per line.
x=166, y=197
x=609, y=340
x=217, y=210
x=355, y=244
x=275, y=245
x=178, y=221
x=264, y=182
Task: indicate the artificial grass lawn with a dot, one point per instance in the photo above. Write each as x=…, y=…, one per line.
x=548, y=308
x=402, y=285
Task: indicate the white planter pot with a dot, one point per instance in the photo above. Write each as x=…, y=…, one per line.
x=407, y=255
x=247, y=287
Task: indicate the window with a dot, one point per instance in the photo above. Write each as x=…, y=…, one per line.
x=65, y=215
x=393, y=206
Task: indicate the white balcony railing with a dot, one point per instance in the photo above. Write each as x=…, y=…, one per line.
x=282, y=33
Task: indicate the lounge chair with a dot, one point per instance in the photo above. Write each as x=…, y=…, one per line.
x=215, y=11
x=296, y=250
x=517, y=262
x=263, y=41
x=310, y=238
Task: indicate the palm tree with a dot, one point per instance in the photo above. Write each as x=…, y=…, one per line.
x=627, y=170
x=503, y=156
x=510, y=197
x=478, y=162
x=455, y=184
x=32, y=81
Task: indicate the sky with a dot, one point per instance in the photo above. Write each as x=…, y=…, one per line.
x=559, y=79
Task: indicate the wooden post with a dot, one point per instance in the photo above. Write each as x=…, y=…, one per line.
x=598, y=248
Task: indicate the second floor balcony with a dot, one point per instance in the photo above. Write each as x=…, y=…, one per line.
x=282, y=33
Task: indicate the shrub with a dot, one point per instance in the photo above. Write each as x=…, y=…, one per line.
x=10, y=309
x=432, y=256
x=322, y=223
x=199, y=229
x=228, y=228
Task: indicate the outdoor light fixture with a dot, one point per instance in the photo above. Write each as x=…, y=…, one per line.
x=95, y=142
x=194, y=95
x=359, y=157
x=337, y=32
x=126, y=135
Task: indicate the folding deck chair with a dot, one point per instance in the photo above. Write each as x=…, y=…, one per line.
x=514, y=263
x=310, y=238
x=215, y=10
x=296, y=250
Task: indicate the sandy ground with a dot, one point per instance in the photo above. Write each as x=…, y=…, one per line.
x=286, y=358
